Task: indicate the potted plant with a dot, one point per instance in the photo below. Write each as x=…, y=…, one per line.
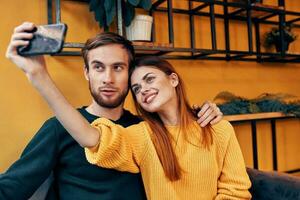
x=105, y=11
x=231, y=104
x=140, y=28
x=272, y=37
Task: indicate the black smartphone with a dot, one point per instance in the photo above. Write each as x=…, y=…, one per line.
x=47, y=39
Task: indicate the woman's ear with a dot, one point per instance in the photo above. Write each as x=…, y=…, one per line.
x=174, y=79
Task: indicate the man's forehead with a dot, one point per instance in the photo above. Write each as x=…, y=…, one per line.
x=108, y=53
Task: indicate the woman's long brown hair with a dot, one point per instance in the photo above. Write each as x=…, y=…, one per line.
x=161, y=138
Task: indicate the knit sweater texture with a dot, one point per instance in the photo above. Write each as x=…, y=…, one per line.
x=215, y=173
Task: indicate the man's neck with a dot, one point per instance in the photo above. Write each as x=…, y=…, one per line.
x=109, y=113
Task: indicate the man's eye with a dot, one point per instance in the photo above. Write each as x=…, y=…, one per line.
x=99, y=67
x=118, y=67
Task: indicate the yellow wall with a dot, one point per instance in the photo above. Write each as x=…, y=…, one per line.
x=23, y=110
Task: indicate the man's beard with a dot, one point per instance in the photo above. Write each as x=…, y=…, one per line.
x=108, y=103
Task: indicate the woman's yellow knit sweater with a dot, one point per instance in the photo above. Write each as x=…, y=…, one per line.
x=217, y=173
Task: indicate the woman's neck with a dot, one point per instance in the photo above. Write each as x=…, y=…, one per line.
x=170, y=113
x=169, y=118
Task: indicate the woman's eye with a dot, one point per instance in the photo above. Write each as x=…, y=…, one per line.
x=150, y=79
x=136, y=90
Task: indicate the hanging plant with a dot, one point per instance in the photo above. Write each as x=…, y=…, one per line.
x=105, y=10
x=272, y=37
x=231, y=104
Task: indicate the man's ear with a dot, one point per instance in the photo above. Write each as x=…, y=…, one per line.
x=86, y=73
x=174, y=79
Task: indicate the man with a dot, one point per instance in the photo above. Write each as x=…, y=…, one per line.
x=53, y=150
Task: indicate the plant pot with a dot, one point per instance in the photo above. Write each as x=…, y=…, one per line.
x=278, y=47
x=140, y=28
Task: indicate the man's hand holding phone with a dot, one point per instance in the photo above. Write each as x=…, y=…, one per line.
x=21, y=37
x=29, y=42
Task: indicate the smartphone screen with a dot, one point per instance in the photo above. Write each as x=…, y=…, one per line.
x=47, y=39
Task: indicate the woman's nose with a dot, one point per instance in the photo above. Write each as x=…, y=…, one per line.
x=144, y=90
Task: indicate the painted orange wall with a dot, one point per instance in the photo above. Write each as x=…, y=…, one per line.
x=23, y=110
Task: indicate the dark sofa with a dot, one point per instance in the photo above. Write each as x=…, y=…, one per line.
x=265, y=186
x=273, y=185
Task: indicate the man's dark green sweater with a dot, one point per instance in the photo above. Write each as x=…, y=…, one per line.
x=54, y=151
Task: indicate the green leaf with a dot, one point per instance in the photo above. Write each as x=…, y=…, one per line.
x=133, y=2
x=145, y=4
x=100, y=15
x=110, y=10
x=129, y=13
x=253, y=108
x=263, y=103
x=108, y=4
x=227, y=96
x=276, y=96
x=93, y=4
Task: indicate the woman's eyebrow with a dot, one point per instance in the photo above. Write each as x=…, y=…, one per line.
x=134, y=85
x=144, y=77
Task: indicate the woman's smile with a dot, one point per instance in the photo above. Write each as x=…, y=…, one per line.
x=148, y=98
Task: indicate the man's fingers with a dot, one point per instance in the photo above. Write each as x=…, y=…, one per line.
x=18, y=43
x=204, y=108
x=11, y=50
x=216, y=120
x=22, y=36
x=26, y=26
x=209, y=113
x=19, y=38
x=206, y=121
x=218, y=117
x=204, y=116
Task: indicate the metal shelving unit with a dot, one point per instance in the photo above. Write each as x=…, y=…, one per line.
x=254, y=15
x=272, y=118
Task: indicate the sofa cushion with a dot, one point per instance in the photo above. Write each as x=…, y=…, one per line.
x=273, y=185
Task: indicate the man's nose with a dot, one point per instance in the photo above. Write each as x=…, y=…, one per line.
x=108, y=77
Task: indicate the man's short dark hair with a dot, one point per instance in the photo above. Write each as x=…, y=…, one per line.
x=107, y=38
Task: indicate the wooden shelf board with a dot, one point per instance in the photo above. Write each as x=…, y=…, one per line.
x=152, y=44
x=266, y=115
x=149, y=46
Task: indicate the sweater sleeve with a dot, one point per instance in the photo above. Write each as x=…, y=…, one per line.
x=233, y=182
x=119, y=148
x=34, y=166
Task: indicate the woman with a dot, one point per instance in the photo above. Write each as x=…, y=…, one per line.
x=177, y=159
